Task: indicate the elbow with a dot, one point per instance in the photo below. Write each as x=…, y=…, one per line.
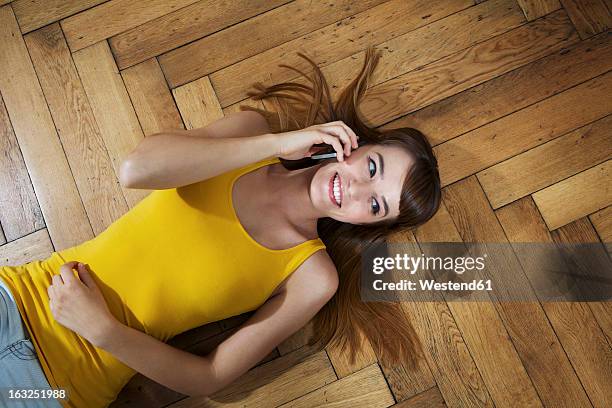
x=127, y=172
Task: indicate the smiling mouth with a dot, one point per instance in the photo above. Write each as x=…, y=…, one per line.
x=335, y=190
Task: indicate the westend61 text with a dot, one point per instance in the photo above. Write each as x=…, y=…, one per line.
x=431, y=284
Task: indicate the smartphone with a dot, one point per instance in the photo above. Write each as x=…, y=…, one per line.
x=331, y=153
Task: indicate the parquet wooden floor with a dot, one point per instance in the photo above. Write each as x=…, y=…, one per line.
x=512, y=94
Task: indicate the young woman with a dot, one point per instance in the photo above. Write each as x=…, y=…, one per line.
x=228, y=229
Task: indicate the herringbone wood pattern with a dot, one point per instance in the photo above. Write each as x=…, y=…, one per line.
x=512, y=93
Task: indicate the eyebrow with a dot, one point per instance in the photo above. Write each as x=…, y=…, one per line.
x=382, y=177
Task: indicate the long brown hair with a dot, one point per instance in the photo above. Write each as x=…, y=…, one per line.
x=384, y=324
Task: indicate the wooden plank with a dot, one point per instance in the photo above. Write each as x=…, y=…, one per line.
x=33, y=14
x=589, y=16
x=253, y=36
x=482, y=330
x=111, y=106
x=581, y=231
x=266, y=385
x=524, y=129
x=187, y=24
x=32, y=247
x=19, y=211
x=365, y=388
x=574, y=322
x=197, y=103
x=340, y=360
x=113, y=17
x=576, y=197
x=602, y=220
x=336, y=41
x=526, y=322
x=537, y=8
x=151, y=98
x=511, y=91
x=447, y=355
x=76, y=126
x=407, y=382
x=548, y=163
x=427, y=399
x=467, y=68
x=42, y=151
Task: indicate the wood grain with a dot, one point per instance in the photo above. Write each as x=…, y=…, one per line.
x=113, y=17
x=77, y=127
x=341, y=40
x=366, y=387
x=548, y=163
x=602, y=220
x=512, y=91
x=467, y=68
x=483, y=332
x=527, y=324
x=197, y=103
x=151, y=98
x=576, y=196
x=187, y=24
x=589, y=16
x=111, y=107
x=524, y=129
x=255, y=35
x=537, y=8
x=427, y=399
x=571, y=320
x=580, y=232
x=40, y=146
x=19, y=210
x=28, y=248
x=340, y=359
x=267, y=384
x=33, y=14
x=446, y=352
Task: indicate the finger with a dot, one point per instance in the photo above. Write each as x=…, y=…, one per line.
x=333, y=141
x=57, y=280
x=67, y=274
x=339, y=131
x=86, y=276
x=50, y=292
x=353, y=136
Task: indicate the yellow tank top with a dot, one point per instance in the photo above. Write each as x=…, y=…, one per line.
x=179, y=259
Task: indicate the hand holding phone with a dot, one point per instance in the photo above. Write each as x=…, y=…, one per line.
x=328, y=154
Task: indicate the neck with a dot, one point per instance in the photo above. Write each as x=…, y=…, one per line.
x=289, y=194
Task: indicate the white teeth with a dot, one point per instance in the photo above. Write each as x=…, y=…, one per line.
x=337, y=189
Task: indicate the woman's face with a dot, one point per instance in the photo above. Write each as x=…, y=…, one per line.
x=364, y=188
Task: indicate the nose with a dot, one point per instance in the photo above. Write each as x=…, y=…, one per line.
x=357, y=189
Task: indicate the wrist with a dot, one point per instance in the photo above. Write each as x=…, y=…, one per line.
x=270, y=140
x=110, y=330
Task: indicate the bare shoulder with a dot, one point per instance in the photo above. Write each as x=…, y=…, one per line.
x=317, y=276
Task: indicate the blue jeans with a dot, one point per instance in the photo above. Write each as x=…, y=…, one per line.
x=19, y=366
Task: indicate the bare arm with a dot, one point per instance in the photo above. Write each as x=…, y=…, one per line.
x=311, y=286
x=177, y=158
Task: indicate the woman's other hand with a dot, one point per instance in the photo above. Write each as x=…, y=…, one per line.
x=79, y=305
x=298, y=144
